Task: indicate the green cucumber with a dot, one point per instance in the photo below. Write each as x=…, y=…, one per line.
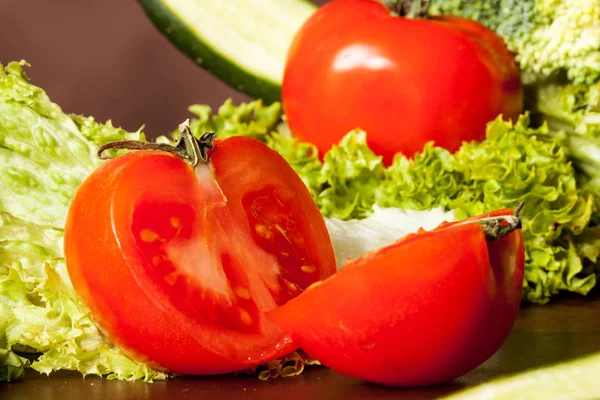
x=242, y=42
x=572, y=379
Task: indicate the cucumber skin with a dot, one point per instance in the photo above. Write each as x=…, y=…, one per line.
x=211, y=60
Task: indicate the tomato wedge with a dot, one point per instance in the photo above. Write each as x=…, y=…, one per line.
x=177, y=265
x=424, y=310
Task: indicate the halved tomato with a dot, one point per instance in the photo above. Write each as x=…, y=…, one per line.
x=178, y=264
x=424, y=310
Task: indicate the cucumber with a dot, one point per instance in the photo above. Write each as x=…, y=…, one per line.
x=242, y=42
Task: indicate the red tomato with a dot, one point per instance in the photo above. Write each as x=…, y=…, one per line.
x=422, y=311
x=404, y=81
x=177, y=265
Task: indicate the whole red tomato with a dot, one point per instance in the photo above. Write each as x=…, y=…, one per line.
x=178, y=264
x=422, y=311
x=404, y=81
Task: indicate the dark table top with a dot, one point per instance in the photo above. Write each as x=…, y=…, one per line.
x=567, y=328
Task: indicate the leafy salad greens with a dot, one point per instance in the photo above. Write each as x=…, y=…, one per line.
x=45, y=154
x=516, y=163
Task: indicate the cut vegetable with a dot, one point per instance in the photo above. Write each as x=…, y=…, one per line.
x=575, y=379
x=422, y=311
x=197, y=255
x=243, y=43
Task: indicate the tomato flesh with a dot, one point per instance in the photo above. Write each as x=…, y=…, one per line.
x=178, y=265
x=422, y=311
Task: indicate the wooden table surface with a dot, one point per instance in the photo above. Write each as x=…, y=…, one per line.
x=567, y=328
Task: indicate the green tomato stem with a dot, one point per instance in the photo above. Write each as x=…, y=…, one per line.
x=188, y=148
x=408, y=8
x=500, y=226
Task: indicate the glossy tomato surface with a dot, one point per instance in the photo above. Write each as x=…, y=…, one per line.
x=404, y=81
x=422, y=311
x=177, y=265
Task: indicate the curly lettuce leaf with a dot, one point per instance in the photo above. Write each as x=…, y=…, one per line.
x=515, y=163
x=247, y=119
x=44, y=156
x=349, y=178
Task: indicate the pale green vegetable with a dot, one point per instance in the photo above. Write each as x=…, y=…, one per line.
x=557, y=46
x=572, y=380
x=550, y=37
x=44, y=156
x=355, y=237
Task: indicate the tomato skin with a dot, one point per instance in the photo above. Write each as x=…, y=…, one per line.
x=96, y=268
x=126, y=297
x=422, y=311
x=404, y=81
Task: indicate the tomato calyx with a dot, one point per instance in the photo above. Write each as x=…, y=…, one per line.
x=188, y=148
x=408, y=8
x=501, y=226
x=498, y=226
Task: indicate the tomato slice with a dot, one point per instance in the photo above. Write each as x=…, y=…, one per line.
x=178, y=265
x=424, y=310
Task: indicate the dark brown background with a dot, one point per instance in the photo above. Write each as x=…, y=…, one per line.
x=106, y=59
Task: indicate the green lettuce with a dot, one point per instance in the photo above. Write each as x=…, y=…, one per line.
x=516, y=163
x=44, y=156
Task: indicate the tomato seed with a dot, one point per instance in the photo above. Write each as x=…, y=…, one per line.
x=309, y=269
x=148, y=236
x=158, y=260
x=291, y=287
x=175, y=222
x=245, y=317
x=314, y=285
x=263, y=231
x=171, y=278
x=242, y=292
x=281, y=230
